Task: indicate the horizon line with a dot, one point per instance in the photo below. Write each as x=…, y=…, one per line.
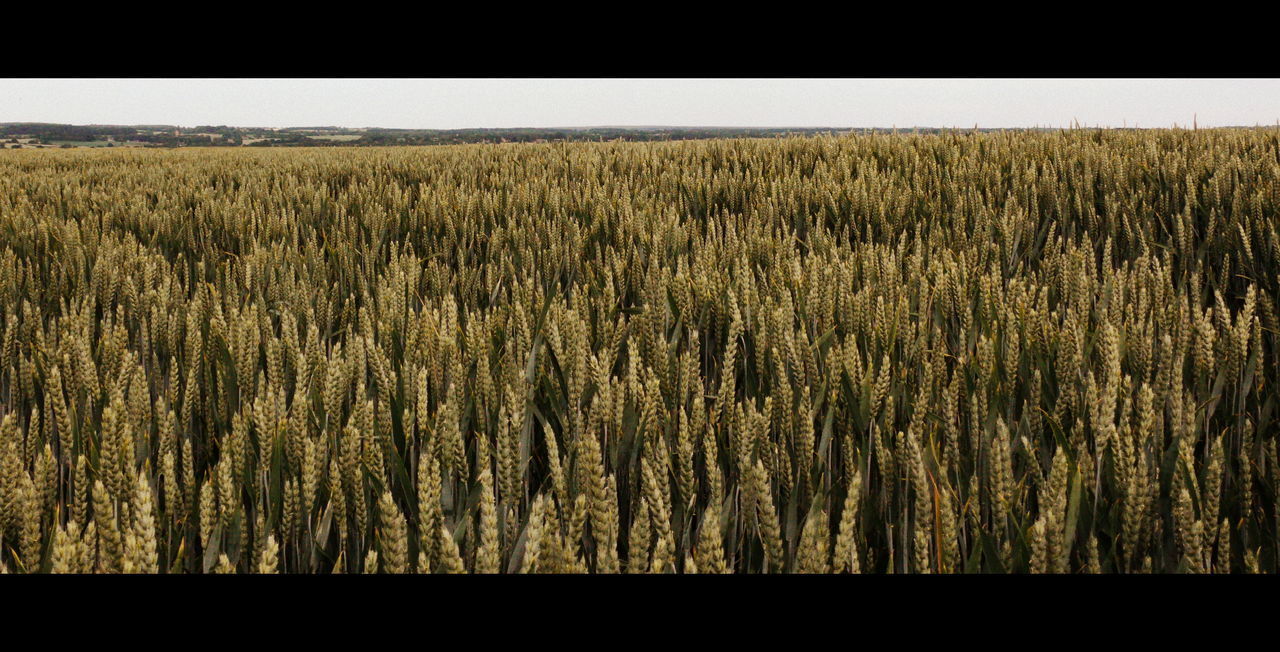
x=1076, y=125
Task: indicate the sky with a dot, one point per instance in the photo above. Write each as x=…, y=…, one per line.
x=462, y=103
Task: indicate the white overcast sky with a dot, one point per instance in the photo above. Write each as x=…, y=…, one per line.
x=460, y=103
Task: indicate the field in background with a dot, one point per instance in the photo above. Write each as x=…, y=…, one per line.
x=1020, y=353
x=340, y=138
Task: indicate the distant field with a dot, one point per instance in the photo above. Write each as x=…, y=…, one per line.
x=80, y=143
x=341, y=138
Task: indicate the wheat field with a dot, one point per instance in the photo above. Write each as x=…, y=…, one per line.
x=1013, y=352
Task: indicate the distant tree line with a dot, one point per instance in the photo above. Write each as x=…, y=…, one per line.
x=225, y=136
